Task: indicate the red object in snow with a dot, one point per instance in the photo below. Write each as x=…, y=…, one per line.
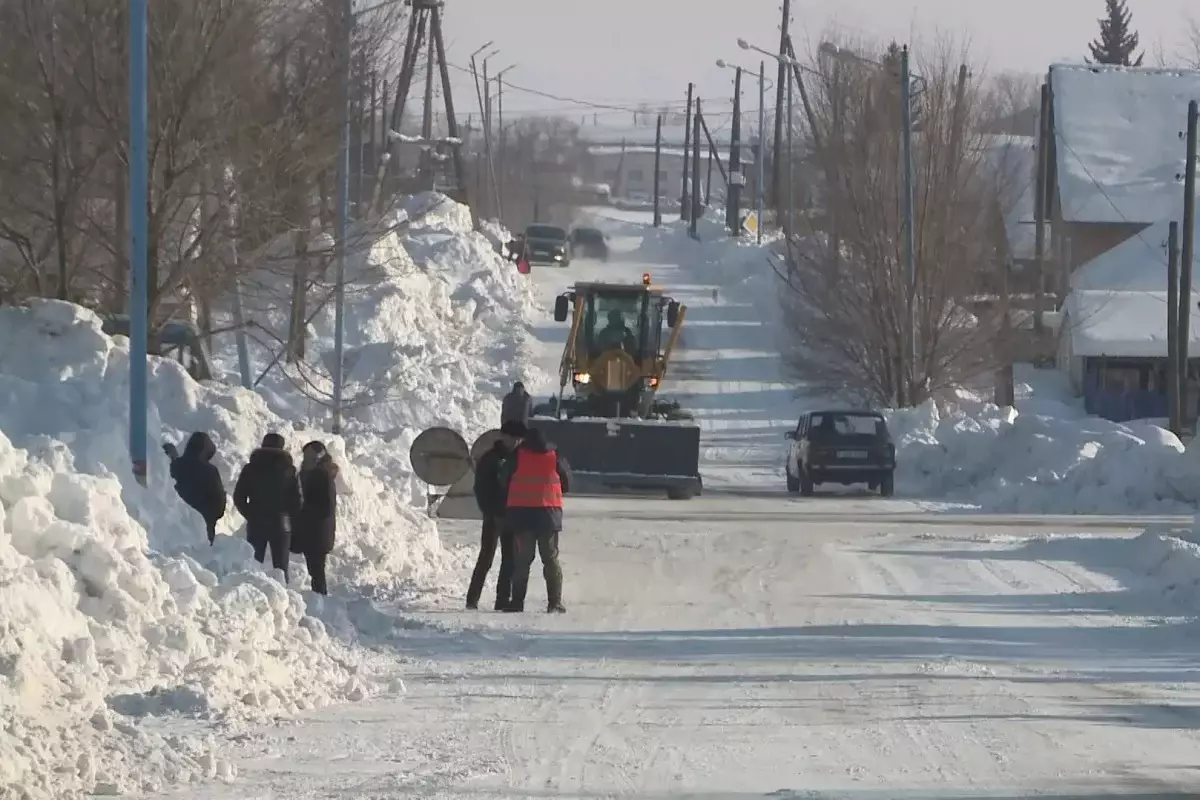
x=523, y=266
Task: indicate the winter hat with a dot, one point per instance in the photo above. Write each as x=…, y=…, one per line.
x=514, y=428
x=518, y=387
x=316, y=448
x=273, y=441
x=535, y=438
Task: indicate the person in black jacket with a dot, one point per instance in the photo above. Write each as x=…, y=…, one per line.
x=491, y=497
x=197, y=481
x=316, y=526
x=267, y=494
x=517, y=405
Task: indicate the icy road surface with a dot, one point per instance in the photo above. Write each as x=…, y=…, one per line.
x=739, y=646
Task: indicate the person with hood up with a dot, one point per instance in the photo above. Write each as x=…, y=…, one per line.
x=267, y=494
x=197, y=481
x=316, y=525
x=491, y=497
x=536, y=477
x=517, y=405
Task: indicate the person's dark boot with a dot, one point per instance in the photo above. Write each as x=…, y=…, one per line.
x=472, y=605
x=556, y=608
x=513, y=608
x=501, y=604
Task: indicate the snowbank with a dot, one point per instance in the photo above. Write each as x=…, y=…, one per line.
x=112, y=604
x=435, y=327
x=1161, y=559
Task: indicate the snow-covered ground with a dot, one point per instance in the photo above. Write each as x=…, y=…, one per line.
x=742, y=644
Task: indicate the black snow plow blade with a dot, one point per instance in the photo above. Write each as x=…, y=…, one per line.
x=615, y=455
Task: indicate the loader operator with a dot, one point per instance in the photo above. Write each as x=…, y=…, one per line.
x=616, y=335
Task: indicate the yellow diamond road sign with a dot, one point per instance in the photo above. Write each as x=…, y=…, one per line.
x=750, y=223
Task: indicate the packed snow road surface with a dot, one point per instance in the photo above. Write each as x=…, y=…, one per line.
x=758, y=652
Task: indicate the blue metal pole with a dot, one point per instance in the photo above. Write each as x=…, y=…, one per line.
x=343, y=216
x=762, y=77
x=139, y=235
x=910, y=249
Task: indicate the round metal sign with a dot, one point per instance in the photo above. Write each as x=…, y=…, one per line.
x=484, y=443
x=440, y=457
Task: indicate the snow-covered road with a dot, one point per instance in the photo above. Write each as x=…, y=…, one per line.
x=760, y=651
x=751, y=646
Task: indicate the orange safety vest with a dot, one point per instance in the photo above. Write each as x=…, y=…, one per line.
x=535, y=483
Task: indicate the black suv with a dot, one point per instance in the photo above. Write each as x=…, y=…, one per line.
x=589, y=243
x=841, y=447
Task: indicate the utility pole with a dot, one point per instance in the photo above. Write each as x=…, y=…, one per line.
x=343, y=216
x=500, y=147
x=762, y=141
x=687, y=139
x=139, y=237
x=485, y=202
x=657, y=168
x=908, y=201
x=791, y=160
x=1187, y=263
x=1039, y=209
x=1174, y=406
x=695, y=199
x=777, y=165
x=733, y=202
x=1003, y=395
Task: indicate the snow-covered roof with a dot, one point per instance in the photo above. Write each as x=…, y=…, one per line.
x=673, y=132
x=1015, y=161
x=614, y=150
x=1119, y=154
x=1137, y=264
x=1129, y=324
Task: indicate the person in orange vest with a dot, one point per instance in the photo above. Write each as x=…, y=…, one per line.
x=537, y=477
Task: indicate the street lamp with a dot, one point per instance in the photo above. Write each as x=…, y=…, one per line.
x=349, y=15
x=761, y=155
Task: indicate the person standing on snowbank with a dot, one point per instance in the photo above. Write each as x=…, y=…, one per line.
x=517, y=405
x=491, y=497
x=536, y=478
x=197, y=481
x=267, y=494
x=316, y=525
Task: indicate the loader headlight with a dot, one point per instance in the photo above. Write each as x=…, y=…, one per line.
x=583, y=377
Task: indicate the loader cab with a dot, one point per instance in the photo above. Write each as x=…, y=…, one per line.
x=628, y=317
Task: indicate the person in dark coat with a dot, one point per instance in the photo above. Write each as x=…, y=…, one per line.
x=491, y=497
x=517, y=406
x=267, y=494
x=316, y=525
x=197, y=481
x=536, y=477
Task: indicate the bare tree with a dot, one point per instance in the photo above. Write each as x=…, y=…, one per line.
x=850, y=304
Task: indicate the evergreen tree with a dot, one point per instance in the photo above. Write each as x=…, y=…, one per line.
x=1117, y=40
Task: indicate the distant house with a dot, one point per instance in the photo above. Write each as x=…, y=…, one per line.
x=1113, y=344
x=1117, y=159
x=629, y=171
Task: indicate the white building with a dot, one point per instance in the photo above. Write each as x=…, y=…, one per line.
x=629, y=171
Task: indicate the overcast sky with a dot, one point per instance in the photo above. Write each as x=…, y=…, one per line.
x=624, y=52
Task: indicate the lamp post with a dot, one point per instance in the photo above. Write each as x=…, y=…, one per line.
x=349, y=15
x=763, y=82
x=498, y=180
x=139, y=235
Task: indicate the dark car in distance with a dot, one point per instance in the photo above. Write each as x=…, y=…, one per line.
x=547, y=244
x=589, y=243
x=841, y=447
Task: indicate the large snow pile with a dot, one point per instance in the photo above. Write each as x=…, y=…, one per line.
x=112, y=603
x=435, y=327
x=1044, y=456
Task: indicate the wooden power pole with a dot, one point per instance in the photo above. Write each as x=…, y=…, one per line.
x=1173, y=406
x=1187, y=259
x=425, y=31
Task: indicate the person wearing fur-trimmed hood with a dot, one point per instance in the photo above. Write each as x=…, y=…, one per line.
x=267, y=494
